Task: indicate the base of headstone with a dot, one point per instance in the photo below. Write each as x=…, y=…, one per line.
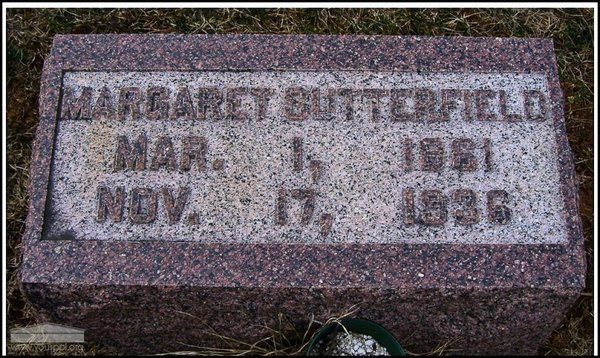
x=149, y=320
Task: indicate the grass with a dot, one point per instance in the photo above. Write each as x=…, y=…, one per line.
x=277, y=343
x=30, y=33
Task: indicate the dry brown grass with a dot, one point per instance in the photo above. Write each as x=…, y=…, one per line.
x=30, y=32
x=276, y=343
x=279, y=343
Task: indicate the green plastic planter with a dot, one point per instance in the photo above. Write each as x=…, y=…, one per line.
x=361, y=326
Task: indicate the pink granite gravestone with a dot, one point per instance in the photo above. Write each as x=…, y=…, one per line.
x=180, y=181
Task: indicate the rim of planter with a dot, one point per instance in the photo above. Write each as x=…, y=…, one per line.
x=361, y=326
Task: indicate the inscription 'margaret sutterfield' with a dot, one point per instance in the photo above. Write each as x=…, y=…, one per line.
x=304, y=157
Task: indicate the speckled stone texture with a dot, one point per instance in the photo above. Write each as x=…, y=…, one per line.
x=494, y=278
x=363, y=169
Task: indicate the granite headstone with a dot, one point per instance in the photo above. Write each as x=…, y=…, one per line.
x=183, y=181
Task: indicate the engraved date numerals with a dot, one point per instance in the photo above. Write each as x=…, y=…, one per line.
x=433, y=207
x=305, y=195
x=308, y=198
x=308, y=208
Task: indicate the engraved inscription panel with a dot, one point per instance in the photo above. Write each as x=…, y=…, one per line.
x=305, y=157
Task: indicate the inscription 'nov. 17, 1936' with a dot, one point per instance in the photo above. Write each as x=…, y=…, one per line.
x=298, y=157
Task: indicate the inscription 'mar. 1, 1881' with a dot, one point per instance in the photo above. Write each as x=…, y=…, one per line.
x=303, y=157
